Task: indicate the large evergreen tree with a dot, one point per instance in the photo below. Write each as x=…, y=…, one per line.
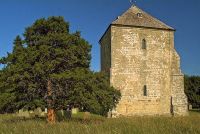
x=50, y=67
x=9, y=78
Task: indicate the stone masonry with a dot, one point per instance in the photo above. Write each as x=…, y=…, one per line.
x=137, y=51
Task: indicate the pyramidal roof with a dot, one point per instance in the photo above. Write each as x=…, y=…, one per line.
x=134, y=16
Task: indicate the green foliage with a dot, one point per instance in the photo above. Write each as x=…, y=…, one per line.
x=5, y=99
x=10, y=76
x=85, y=90
x=192, y=90
x=49, y=52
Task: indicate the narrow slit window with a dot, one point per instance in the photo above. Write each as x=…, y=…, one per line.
x=144, y=44
x=145, y=90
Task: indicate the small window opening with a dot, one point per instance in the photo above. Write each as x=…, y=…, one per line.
x=144, y=45
x=139, y=15
x=145, y=90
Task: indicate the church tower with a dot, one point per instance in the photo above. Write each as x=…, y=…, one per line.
x=137, y=52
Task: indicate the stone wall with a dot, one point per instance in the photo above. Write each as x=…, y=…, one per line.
x=179, y=99
x=131, y=68
x=106, y=52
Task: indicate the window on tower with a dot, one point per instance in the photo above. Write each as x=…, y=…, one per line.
x=144, y=44
x=145, y=90
x=139, y=15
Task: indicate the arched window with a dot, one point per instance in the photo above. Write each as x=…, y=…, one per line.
x=144, y=44
x=145, y=90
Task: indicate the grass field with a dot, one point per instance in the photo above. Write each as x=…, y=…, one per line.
x=10, y=124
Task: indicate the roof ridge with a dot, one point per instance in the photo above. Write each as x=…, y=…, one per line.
x=155, y=18
x=129, y=18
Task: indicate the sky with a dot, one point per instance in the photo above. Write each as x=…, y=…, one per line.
x=92, y=17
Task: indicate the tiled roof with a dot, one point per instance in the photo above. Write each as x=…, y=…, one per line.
x=137, y=17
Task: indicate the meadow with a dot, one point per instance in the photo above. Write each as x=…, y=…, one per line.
x=93, y=124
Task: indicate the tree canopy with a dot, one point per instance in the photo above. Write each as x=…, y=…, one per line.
x=192, y=90
x=50, y=53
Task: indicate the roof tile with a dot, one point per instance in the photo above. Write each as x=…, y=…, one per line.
x=143, y=19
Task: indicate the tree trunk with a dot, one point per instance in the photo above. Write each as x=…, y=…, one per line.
x=51, y=118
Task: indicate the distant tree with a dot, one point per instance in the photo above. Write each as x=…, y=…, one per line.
x=50, y=67
x=192, y=90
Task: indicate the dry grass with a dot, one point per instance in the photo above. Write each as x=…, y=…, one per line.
x=10, y=124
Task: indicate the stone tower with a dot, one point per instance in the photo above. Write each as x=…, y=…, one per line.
x=137, y=52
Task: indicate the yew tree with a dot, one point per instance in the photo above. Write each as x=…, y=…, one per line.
x=50, y=67
x=12, y=79
x=49, y=48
